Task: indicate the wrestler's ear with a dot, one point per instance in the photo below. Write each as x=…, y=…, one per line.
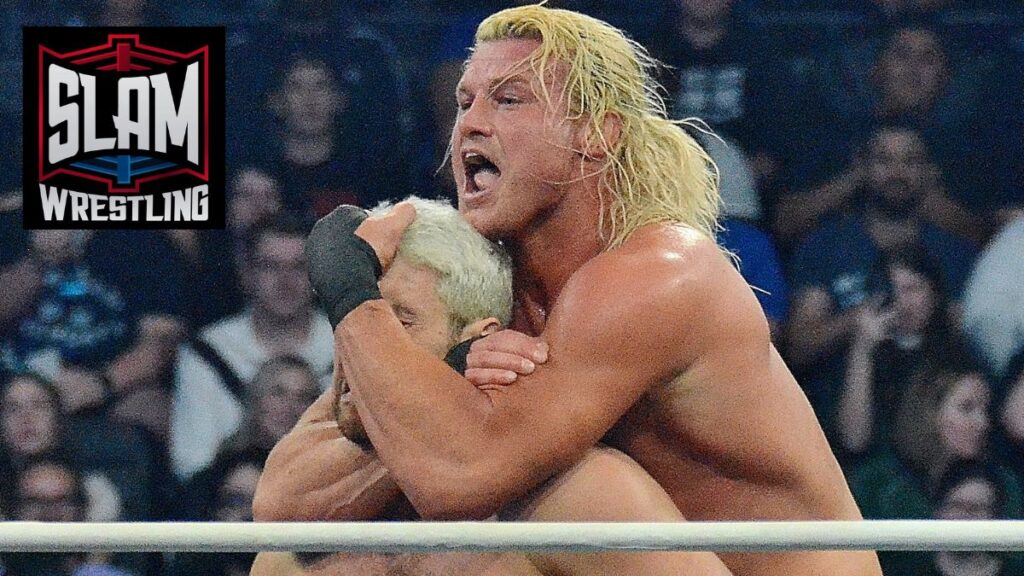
x=484, y=327
x=594, y=144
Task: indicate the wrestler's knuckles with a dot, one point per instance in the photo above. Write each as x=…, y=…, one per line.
x=384, y=233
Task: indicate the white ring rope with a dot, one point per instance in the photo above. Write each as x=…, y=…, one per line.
x=1002, y=535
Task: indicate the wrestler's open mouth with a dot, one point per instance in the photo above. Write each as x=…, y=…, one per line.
x=481, y=173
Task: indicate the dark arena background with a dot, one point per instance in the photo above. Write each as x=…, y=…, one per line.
x=872, y=162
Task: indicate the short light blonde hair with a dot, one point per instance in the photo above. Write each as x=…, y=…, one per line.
x=474, y=275
x=657, y=172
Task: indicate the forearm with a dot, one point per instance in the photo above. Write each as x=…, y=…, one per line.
x=856, y=403
x=315, y=473
x=430, y=426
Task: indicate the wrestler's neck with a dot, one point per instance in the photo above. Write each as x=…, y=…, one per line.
x=554, y=248
x=278, y=333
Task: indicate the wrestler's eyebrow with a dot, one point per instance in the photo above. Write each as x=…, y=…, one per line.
x=511, y=82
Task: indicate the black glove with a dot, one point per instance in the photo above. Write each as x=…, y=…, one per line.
x=343, y=268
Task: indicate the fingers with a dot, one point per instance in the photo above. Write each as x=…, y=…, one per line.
x=397, y=219
x=384, y=233
x=515, y=343
x=481, y=377
x=404, y=213
x=500, y=358
x=500, y=361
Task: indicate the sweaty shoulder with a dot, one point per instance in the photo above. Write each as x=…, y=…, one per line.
x=657, y=264
x=657, y=289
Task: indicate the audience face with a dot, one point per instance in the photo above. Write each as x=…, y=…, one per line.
x=707, y=11
x=56, y=247
x=283, y=397
x=897, y=164
x=310, y=99
x=254, y=196
x=411, y=291
x=963, y=417
x=912, y=71
x=234, y=497
x=29, y=416
x=972, y=499
x=281, y=285
x=914, y=301
x=49, y=493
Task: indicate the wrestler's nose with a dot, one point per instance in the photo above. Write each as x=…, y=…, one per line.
x=475, y=120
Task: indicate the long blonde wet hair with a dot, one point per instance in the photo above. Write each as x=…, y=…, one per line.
x=656, y=171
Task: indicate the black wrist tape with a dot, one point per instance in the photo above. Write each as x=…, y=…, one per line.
x=343, y=268
x=456, y=357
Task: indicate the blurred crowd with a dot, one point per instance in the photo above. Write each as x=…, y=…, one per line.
x=873, y=189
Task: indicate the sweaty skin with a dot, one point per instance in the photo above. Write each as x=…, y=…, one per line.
x=605, y=485
x=656, y=346
x=316, y=473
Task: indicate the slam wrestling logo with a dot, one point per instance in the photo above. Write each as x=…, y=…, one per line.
x=124, y=128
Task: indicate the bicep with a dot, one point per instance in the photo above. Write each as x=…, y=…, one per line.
x=597, y=369
x=611, y=341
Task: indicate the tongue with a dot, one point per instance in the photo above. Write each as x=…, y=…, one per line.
x=485, y=178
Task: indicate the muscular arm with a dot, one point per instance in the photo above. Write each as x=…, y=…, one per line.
x=315, y=473
x=462, y=452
